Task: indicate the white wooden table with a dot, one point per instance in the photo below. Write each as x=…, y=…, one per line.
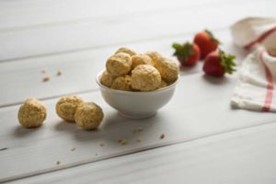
x=206, y=141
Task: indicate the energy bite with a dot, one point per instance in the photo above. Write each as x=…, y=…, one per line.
x=66, y=107
x=123, y=71
x=89, y=116
x=119, y=64
x=163, y=84
x=32, y=113
x=125, y=50
x=122, y=83
x=145, y=78
x=168, y=69
x=106, y=79
x=140, y=59
x=155, y=56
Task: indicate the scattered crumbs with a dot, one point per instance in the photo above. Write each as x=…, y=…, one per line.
x=162, y=136
x=45, y=79
x=59, y=73
x=102, y=145
x=73, y=149
x=58, y=163
x=122, y=141
x=43, y=70
x=138, y=140
x=119, y=140
x=140, y=129
x=3, y=149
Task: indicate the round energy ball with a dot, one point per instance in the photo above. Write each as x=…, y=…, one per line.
x=32, y=113
x=155, y=56
x=168, y=70
x=163, y=84
x=66, y=107
x=119, y=64
x=145, y=78
x=140, y=59
x=122, y=83
x=107, y=79
x=125, y=50
x=89, y=116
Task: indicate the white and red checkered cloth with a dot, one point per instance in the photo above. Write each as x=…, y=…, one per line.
x=256, y=84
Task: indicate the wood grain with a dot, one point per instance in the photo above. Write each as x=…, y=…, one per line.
x=122, y=30
x=246, y=156
x=205, y=140
x=186, y=117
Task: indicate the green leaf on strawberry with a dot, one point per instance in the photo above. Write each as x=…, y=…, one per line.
x=211, y=35
x=227, y=61
x=182, y=51
x=187, y=54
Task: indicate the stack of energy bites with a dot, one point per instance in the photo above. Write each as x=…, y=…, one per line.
x=129, y=71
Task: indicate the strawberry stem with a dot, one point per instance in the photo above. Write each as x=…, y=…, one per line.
x=212, y=36
x=227, y=61
x=182, y=51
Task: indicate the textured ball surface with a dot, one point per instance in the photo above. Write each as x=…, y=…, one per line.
x=32, y=113
x=89, y=116
x=66, y=107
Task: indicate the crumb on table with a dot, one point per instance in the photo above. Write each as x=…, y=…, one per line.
x=43, y=70
x=139, y=140
x=122, y=141
x=45, y=79
x=59, y=73
x=162, y=136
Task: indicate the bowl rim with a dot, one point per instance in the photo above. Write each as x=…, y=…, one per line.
x=136, y=92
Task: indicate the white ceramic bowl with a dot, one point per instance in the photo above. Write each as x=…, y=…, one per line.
x=136, y=105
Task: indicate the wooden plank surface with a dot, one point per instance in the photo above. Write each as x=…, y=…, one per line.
x=121, y=30
x=186, y=117
x=65, y=35
x=78, y=70
x=246, y=156
x=40, y=13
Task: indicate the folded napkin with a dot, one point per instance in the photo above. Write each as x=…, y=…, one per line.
x=256, y=84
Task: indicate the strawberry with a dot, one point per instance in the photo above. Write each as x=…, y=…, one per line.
x=188, y=53
x=206, y=42
x=217, y=63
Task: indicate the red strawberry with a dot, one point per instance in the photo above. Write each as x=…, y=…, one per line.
x=206, y=42
x=217, y=63
x=188, y=53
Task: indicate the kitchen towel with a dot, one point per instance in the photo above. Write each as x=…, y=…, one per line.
x=255, y=89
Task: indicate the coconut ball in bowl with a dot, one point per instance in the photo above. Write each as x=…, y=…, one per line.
x=143, y=90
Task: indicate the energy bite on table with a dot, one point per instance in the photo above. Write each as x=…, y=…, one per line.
x=145, y=78
x=66, y=107
x=89, y=116
x=119, y=64
x=32, y=113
